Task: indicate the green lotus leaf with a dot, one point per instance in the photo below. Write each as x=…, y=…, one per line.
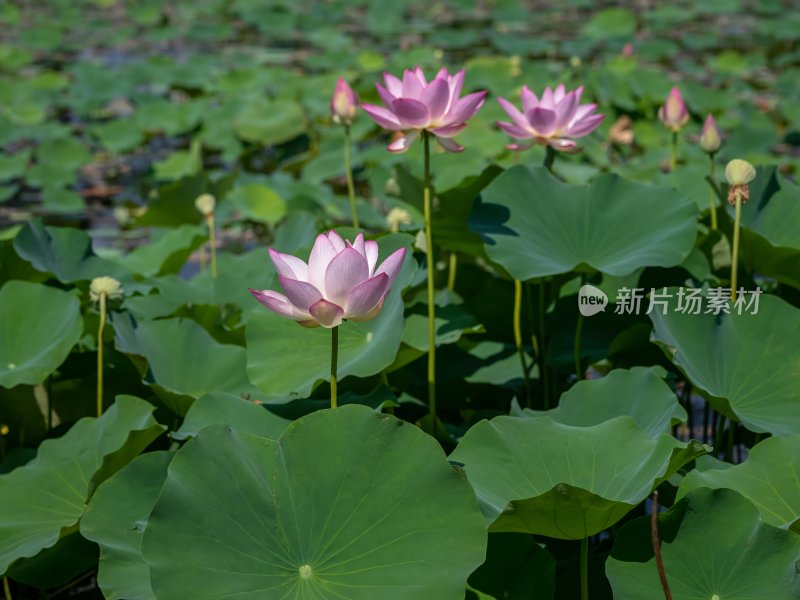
x=43, y=500
x=722, y=355
x=116, y=518
x=534, y=225
x=349, y=503
x=714, y=546
x=164, y=253
x=638, y=393
x=41, y=324
x=534, y=475
x=228, y=409
x=516, y=568
x=769, y=478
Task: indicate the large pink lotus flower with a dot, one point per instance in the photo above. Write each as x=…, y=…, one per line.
x=415, y=105
x=339, y=282
x=674, y=114
x=554, y=121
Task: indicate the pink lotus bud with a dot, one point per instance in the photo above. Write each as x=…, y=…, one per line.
x=341, y=280
x=344, y=103
x=674, y=114
x=555, y=120
x=415, y=104
x=709, y=139
x=627, y=49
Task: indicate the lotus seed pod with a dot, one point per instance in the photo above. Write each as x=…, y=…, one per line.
x=105, y=285
x=205, y=203
x=739, y=174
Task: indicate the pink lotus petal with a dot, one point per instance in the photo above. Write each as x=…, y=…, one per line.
x=326, y=313
x=358, y=244
x=448, y=131
x=523, y=146
x=347, y=270
x=337, y=241
x=436, y=97
x=411, y=113
x=299, y=293
x=449, y=145
x=412, y=86
x=382, y=116
x=547, y=100
x=465, y=108
x=564, y=145
x=370, y=314
x=512, y=111
x=363, y=297
x=392, y=265
x=585, y=126
x=420, y=76
x=403, y=143
x=289, y=266
x=393, y=84
x=321, y=255
x=371, y=248
x=542, y=120
x=514, y=131
x=559, y=93
x=529, y=99
x=456, y=83
x=278, y=303
x=385, y=94
x=565, y=110
x=582, y=112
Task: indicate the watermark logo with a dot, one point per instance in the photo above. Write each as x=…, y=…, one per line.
x=591, y=300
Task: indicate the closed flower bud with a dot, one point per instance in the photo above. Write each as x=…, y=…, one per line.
x=709, y=139
x=107, y=286
x=739, y=174
x=674, y=114
x=344, y=103
x=205, y=203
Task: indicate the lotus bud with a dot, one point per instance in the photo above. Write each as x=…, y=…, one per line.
x=627, y=49
x=107, y=286
x=739, y=174
x=674, y=114
x=709, y=139
x=344, y=103
x=205, y=203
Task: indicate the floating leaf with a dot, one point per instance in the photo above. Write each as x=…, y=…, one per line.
x=259, y=202
x=311, y=513
x=242, y=415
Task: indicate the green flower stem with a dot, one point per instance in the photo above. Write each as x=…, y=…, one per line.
x=713, y=197
x=518, y=338
x=431, y=305
x=549, y=157
x=100, y=330
x=674, y=160
x=577, y=352
x=451, y=273
x=735, y=253
x=334, y=363
x=656, y=539
x=585, y=568
x=6, y=589
x=348, y=172
x=212, y=243
x=540, y=345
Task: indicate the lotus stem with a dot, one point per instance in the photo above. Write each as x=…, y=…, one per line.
x=451, y=273
x=348, y=173
x=713, y=197
x=100, y=329
x=735, y=252
x=334, y=362
x=6, y=589
x=538, y=345
x=549, y=158
x=674, y=159
x=585, y=568
x=657, y=547
x=212, y=243
x=431, y=305
x=518, y=338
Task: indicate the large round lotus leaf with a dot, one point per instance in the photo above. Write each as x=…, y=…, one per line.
x=349, y=503
x=638, y=393
x=714, y=547
x=748, y=361
x=228, y=409
x=41, y=324
x=534, y=225
x=48, y=495
x=116, y=518
x=769, y=478
x=534, y=475
x=186, y=362
x=285, y=358
x=166, y=252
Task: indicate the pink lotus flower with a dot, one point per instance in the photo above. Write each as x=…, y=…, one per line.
x=415, y=105
x=344, y=103
x=709, y=139
x=339, y=282
x=674, y=114
x=552, y=121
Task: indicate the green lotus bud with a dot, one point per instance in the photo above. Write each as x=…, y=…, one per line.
x=709, y=139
